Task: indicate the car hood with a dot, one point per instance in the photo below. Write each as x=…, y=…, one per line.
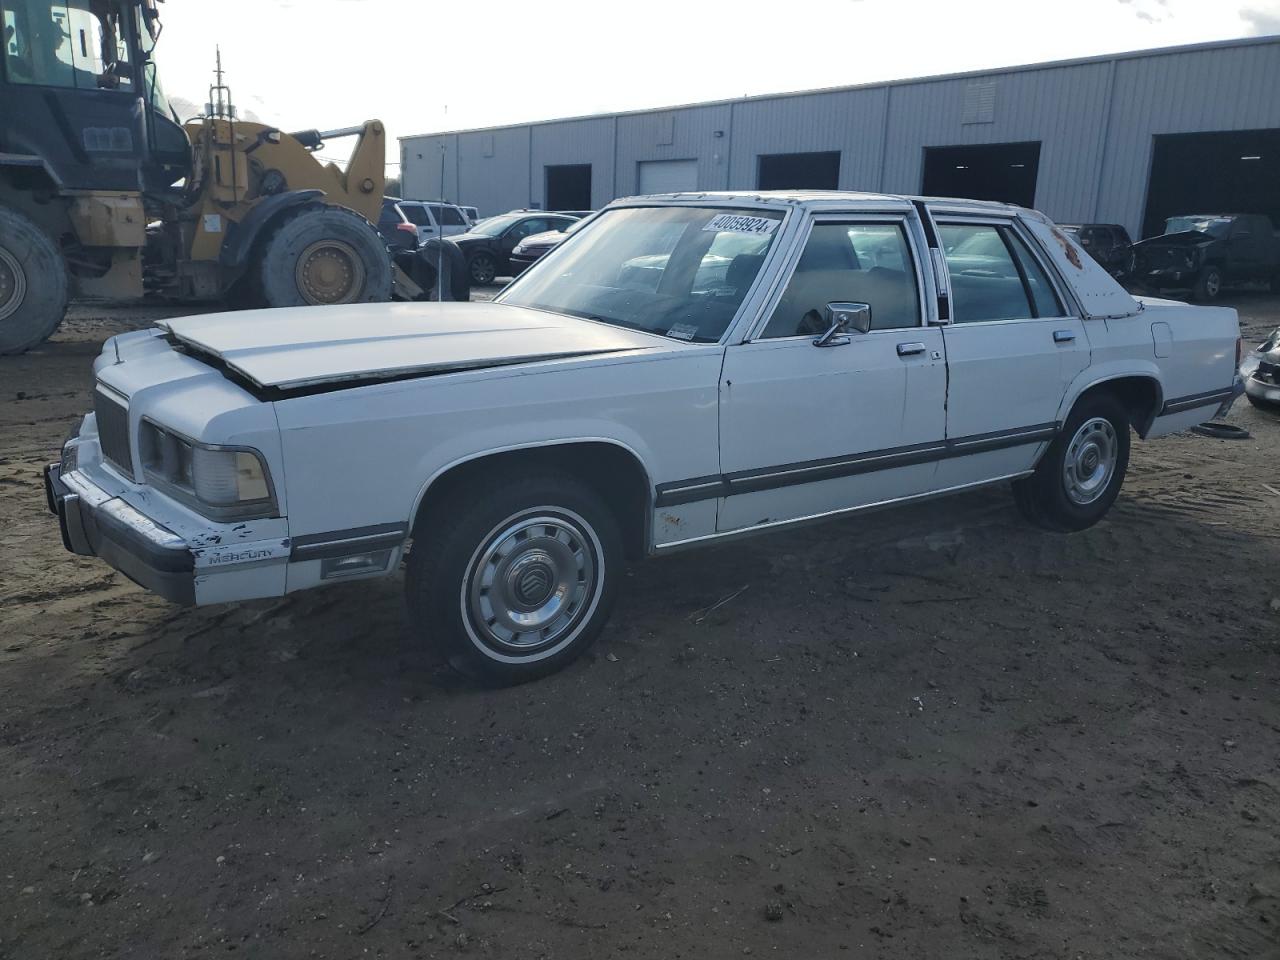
x=548, y=238
x=1187, y=238
x=306, y=348
x=470, y=237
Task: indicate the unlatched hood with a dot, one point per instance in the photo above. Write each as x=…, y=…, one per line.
x=1186, y=238
x=302, y=347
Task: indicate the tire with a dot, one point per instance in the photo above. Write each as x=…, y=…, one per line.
x=33, y=284
x=1209, y=284
x=1065, y=500
x=1261, y=403
x=323, y=255
x=483, y=269
x=550, y=550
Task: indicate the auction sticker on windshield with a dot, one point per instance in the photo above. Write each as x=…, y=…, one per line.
x=736, y=223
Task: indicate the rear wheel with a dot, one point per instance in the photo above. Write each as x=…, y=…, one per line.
x=1209, y=284
x=514, y=579
x=324, y=255
x=33, y=284
x=1080, y=475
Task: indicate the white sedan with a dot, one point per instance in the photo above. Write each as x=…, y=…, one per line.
x=682, y=370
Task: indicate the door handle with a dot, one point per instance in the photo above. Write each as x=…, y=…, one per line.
x=908, y=349
x=1063, y=336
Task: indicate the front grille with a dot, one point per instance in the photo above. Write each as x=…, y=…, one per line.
x=113, y=431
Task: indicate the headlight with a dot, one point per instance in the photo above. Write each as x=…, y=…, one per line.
x=223, y=483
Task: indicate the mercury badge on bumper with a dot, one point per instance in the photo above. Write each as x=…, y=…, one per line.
x=682, y=370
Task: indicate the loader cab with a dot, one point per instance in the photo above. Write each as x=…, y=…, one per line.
x=81, y=97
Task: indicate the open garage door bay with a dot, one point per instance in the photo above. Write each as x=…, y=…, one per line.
x=1202, y=173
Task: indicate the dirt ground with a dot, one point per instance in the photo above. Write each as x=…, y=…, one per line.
x=935, y=733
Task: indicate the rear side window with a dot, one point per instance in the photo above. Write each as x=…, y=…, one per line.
x=849, y=263
x=416, y=214
x=993, y=275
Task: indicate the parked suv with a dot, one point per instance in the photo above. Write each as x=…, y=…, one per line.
x=1206, y=252
x=398, y=232
x=434, y=219
x=1108, y=243
x=488, y=245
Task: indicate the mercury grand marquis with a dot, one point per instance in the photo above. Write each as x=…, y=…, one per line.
x=682, y=370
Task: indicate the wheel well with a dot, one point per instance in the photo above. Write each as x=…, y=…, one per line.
x=612, y=471
x=1140, y=396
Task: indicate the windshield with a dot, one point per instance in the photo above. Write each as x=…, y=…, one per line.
x=493, y=226
x=681, y=272
x=1214, y=226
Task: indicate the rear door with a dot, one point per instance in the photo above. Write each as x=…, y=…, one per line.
x=807, y=430
x=1012, y=349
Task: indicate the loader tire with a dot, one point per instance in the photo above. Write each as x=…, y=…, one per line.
x=33, y=284
x=323, y=255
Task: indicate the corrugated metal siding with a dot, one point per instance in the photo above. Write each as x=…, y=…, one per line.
x=850, y=121
x=1061, y=108
x=1095, y=122
x=692, y=135
x=576, y=141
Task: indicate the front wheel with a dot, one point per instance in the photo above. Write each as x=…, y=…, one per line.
x=1209, y=284
x=514, y=579
x=483, y=269
x=1079, y=476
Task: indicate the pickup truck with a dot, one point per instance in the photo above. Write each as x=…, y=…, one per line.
x=1206, y=253
x=681, y=371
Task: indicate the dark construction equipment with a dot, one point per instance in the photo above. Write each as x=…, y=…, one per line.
x=105, y=194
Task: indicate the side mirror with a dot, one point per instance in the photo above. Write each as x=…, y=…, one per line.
x=842, y=320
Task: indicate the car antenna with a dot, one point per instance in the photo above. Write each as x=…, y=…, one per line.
x=440, y=227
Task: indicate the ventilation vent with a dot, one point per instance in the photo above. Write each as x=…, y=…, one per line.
x=979, y=102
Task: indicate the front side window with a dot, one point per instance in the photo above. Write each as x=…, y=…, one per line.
x=680, y=272
x=993, y=275
x=849, y=263
x=450, y=216
x=81, y=44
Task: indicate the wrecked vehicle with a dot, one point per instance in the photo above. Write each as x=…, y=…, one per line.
x=1262, y=374
x=1206, y=253
x=784, y=358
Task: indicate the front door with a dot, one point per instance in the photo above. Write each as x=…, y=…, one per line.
x=1012, y=350
x=807, y=430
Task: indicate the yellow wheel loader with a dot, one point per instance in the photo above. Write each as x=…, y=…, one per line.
x=105, y=195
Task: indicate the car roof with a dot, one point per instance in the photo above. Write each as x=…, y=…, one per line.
x=817, y=199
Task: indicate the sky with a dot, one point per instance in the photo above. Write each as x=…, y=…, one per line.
x=423, y=66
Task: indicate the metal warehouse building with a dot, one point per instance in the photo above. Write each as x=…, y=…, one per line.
x=1129, y=139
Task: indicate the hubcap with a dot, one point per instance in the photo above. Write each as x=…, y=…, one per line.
x=482, y=270
x=1211, y=284
x=532, y=583
x=13, y=284
x=329, y=271
x=1091, y=460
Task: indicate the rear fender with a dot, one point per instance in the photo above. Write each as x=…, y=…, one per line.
x=1108, y=372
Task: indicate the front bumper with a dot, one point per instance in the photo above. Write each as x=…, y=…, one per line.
x=1262, y=390
x=95, y=524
